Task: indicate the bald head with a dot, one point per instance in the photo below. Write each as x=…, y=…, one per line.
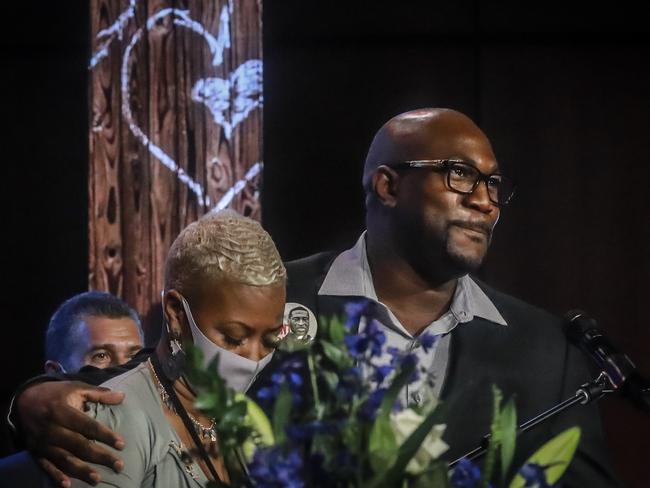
x=427, y=133
x=413, y=212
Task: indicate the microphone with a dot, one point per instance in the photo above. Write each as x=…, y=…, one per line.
x=583, y=331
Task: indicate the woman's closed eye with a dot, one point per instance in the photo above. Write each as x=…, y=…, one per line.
x=233, y=341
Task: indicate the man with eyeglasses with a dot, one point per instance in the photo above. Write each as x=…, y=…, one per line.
x=434, y=193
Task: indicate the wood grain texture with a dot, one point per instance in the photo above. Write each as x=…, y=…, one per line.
x=104, y=190
x=137, y=204
x=136, y=181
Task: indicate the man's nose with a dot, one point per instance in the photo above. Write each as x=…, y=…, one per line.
x=256, y=351
x=479, y=199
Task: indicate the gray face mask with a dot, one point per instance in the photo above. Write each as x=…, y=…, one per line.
x=238, y=371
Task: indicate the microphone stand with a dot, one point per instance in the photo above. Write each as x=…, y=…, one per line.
x=587, y=393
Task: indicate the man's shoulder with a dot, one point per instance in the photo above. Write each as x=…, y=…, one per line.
x=310, y=266
x=308, y=272
x=516, y=310
x=305, y=276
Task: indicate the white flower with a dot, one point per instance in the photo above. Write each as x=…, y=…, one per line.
x=403, y=424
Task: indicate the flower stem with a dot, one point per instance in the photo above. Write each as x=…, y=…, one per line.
x=314, y=386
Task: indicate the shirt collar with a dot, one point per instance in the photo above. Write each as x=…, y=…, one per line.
x=350, y=275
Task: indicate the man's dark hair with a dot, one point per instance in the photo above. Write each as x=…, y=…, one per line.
x=61, y=334
x=298, y=309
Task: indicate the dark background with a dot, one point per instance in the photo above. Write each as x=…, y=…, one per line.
x=562, y=89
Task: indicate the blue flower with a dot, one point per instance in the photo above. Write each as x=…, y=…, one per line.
x=535, y=475
x=295, y=380
x=350, y=383
x=371, y=340
x=376, y=337
x=381, y=372
x=403, y=360
x=466, y=474
x=428, y=340
x=394, y=353
x=272, y=468
x=354, y=311
x=309, y=430
x=268, y=393
x=408, y=361
x=357, y=345
x=368, y=410
x=287, y=373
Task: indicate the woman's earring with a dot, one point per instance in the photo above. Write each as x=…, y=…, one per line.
x=174, y=341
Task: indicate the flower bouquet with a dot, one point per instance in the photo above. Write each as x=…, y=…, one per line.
x=335, y=419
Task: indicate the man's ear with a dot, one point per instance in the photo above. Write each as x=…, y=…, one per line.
x=385, y=182
x=53, y=367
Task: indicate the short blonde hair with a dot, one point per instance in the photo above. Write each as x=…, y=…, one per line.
x=226, y=245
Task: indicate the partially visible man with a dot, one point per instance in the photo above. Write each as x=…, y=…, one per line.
x=92, y=329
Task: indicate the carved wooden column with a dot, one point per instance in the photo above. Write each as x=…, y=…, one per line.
x=175, y=130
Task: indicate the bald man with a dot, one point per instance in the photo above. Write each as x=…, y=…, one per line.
x=434, y=192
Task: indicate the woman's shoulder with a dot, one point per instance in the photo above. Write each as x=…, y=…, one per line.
x=132, y=380
x=140, y=417
x=139, y=420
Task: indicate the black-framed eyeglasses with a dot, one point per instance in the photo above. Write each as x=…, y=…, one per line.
x=464, y=178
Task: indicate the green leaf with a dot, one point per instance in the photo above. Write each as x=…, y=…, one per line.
x=257, y=420
x=508, y=428
x=336, y=331
x=382, y=446
x=206, y=401
x=260, y=424
x=281, y=413
x=556, y=454
x=336, y=354
x=234, y=415
x=352, y=436
x=194, y=356
x=495, y=439
x=331, y=379
x=194, y=369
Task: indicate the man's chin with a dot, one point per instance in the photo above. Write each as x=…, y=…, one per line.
x=467, y=260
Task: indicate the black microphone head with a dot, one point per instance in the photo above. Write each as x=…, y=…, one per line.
x=576, y=323
x=583, y=331
x=571, y=315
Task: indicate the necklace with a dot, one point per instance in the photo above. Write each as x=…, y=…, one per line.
x=209, y=432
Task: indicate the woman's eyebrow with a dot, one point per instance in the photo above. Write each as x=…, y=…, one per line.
x=248, y=328
x=242, y=325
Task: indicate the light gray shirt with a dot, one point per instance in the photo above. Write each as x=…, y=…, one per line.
x=154, y=456
x=350, y=275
